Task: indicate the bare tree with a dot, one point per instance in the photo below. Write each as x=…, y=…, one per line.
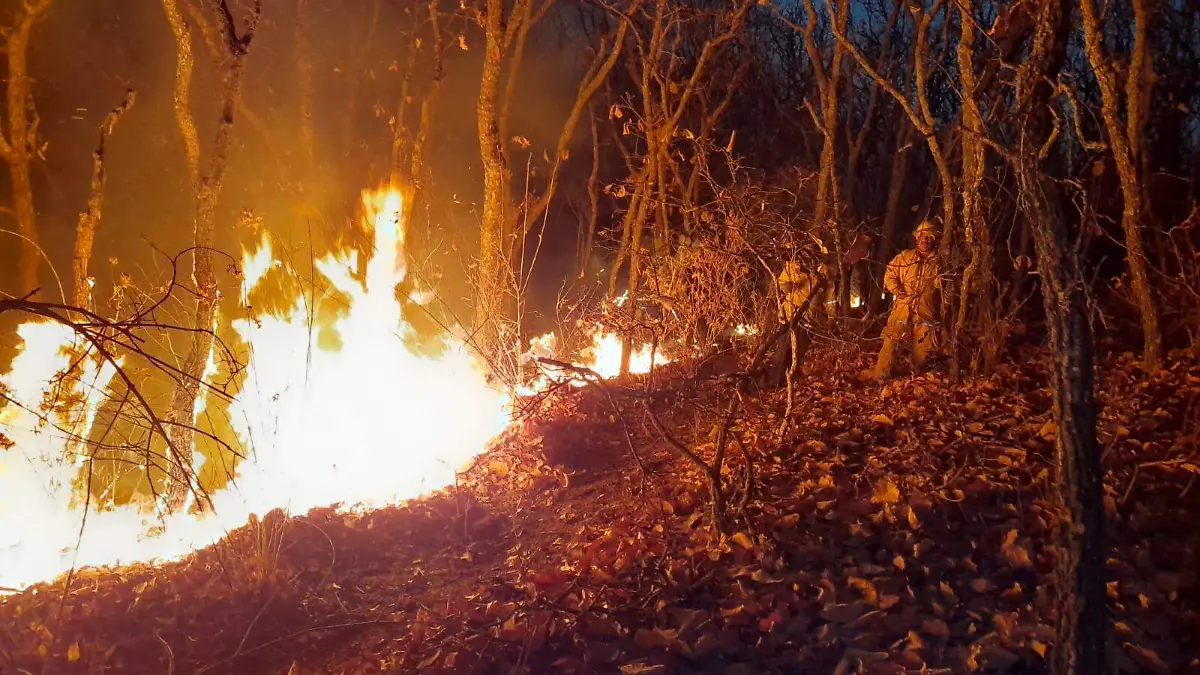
x=19, y=141
x=1125, y=139
x=119, y=344
x=208, y=189
x=85, y=229
x=672, y=97
x=977, y=277
x=489, y=283
x=504, y=224
x=408, y=146
x=920, y=114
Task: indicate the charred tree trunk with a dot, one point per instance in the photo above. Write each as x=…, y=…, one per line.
x=1083, y=621
x=1082, y=595
x=208, y=189
x=19, y=142
x=85, y=229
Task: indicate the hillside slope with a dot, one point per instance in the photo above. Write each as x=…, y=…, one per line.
x=896, y=528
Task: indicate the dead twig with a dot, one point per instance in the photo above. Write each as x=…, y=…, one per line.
x=594, y=379
x=289, y=636
x=170, y=655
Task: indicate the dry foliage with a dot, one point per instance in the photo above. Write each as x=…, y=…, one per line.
x=899, y=529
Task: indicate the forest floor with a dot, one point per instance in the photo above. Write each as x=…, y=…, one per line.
x=902, y=527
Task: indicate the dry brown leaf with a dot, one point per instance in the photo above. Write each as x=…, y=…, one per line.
x=656, y=637
x=73, y=653
x=936, y=628
x=742, y=539
x=843, y=613
x=885, y=492
x=1146, y=659
x=1016, y=554
x=948, y=593
x=1049, y=430
x=913, y=521
x=512, y=631
x=870, y=595
x=980, y=585
x=638, y=668
x=601, y=626
x=883, y=419
x=997, y=658
x=705, y=644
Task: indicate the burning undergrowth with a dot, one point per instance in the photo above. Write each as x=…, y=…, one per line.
x=331, y=398
x=896, y=529
x=369, y=422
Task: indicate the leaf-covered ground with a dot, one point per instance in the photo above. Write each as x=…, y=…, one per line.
x=897, y=528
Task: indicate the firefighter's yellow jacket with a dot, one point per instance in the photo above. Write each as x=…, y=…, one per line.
x=795, y=285
x=914, y=280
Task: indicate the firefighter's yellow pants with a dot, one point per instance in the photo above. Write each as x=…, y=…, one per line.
x=904, y=323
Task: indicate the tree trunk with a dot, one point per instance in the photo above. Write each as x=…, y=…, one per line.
x=1125, y=140
x=585, y=253
x=1081, y=589
x=18, y=146
x=489, y=287
x=183, y=399
x=977, y=277
x=827, y=89
x=1083, y=618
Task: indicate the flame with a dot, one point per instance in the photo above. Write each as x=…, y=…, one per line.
x=371, y=423
x=604, y=356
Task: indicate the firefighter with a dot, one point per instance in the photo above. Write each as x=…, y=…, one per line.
x=912, y=277
x=795, y=285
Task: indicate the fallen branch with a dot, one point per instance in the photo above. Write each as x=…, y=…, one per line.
x=593, y=378
x=713, y=471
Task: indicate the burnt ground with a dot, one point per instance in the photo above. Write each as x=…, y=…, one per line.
x=898, y=528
